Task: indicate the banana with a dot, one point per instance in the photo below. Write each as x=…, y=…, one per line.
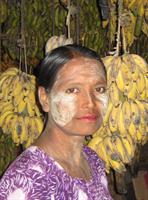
x=121, y=122
x=94, y=142
x=106, y=117
x=126, y=109
x=4, y=115
x=6, y=127
x=22, y=131
x=30, y=108
x=132, y=93
x=120, y=148
x=135, y=114
x=113, y=157
x=113, y=118
x=37, y=111
x=120, y=81
x=140, y=62
x=130, y=149
x=22, y=105
x=114, y=94
x=132, y=131
x=103, y=155
x=7, y=107
x=141, y=83
x=101, y=132
x=112, y=70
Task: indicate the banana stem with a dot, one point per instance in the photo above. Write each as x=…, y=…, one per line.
x=124, y=41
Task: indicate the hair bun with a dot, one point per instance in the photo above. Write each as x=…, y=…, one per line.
x=57, y=41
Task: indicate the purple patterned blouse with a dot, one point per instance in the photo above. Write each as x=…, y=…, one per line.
x=36, y=176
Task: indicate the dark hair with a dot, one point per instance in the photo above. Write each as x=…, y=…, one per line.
x=54, y=61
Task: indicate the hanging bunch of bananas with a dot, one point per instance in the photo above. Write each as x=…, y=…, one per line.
x=42, y=20
x=126, y=122
x=134, y=19
x=19, y=114
x=92, y=34
x=56, y=41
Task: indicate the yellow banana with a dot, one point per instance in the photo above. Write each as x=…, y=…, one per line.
x=106, y=117
x=103, y=155
x=141, y=84
x=140, y=62
x=114, y=94
x=135, y=113
x=113, y=118
x=121, y=122
x=130, y=149
x=93, y=143
x=22, y=131
x=113, y=156
x=4, y=115
x=21, y=106
x=126, y=109
x=6, y=127
x=120, y=81
x=30, y=108
x=132, y=94
x=132, y=131
x=120, y=148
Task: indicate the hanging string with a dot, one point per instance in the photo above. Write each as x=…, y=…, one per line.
x=77, y=23
x=68, y=18
x=53, y=17
x=23, y=36
x=0, y=49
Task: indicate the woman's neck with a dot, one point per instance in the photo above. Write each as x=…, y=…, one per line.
x=62, y=146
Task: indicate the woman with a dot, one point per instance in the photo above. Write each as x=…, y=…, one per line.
x=72, y=91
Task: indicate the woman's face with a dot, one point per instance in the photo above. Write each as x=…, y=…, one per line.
x=78, y=99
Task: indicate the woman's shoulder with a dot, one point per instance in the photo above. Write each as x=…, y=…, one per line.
x=28, y=173
x=31, y=159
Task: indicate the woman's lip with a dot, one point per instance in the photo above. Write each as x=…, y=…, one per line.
x=88, y=118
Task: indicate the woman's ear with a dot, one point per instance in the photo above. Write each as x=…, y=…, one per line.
x=43, y=99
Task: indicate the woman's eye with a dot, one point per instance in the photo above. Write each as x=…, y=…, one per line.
x=72, y=90
x=101, y=89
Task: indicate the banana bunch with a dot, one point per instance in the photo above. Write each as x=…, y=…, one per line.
x=133, y=19
x=114, y=149
x=56, y=41
x=126, y=120
x=19, y=113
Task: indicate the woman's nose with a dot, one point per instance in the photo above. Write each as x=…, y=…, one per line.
x=88, y=100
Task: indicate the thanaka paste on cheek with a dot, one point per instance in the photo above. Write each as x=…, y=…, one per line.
x=63, y=108
x=103, y=98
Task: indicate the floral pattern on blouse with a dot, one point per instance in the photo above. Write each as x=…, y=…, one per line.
x=36, y=176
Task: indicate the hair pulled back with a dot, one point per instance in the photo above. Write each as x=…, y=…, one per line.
x=55, y=60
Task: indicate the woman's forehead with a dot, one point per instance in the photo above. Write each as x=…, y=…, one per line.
x=81, y=66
